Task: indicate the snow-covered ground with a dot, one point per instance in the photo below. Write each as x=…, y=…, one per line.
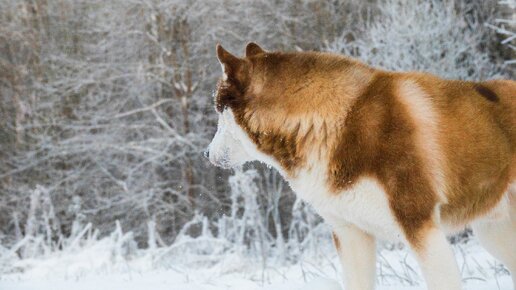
x=102, y=266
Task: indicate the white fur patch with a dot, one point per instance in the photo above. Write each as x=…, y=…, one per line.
x=248, y=145
x=421, y=110
x=365, y=204
x=224, y=74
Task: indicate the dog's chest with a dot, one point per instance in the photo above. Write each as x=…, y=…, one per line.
x=365, y=205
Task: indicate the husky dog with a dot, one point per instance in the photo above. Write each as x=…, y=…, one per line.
x=398, y=156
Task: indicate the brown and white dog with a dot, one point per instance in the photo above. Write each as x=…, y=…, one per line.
x=398, y=156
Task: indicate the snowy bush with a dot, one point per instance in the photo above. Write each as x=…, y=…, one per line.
x=507, y=28
x=432, y=36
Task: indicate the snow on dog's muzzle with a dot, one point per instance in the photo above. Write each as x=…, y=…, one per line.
x=222, y=161
x=225, y=150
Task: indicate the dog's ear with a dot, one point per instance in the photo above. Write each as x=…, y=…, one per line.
x=231, y=65
x=253, y=49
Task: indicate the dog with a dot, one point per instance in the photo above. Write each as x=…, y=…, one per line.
x=399, y=156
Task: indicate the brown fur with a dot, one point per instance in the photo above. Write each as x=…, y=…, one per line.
x=365, y=122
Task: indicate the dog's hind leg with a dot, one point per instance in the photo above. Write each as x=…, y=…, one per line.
x=499, y=237
x=357, y=253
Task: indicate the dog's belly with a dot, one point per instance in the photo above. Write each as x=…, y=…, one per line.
x=364, y=205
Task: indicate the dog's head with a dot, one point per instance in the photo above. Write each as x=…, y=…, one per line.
x=232, y=145
x=278, y=108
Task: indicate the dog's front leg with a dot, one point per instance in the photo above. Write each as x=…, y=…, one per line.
x=357, y=253
x=436, y=260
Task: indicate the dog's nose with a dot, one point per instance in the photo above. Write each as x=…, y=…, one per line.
x=206, y=153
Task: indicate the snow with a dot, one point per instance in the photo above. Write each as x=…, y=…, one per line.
x=200, y=280
x=96, y=266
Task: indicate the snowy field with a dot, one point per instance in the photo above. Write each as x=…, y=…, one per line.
x=105, y=265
